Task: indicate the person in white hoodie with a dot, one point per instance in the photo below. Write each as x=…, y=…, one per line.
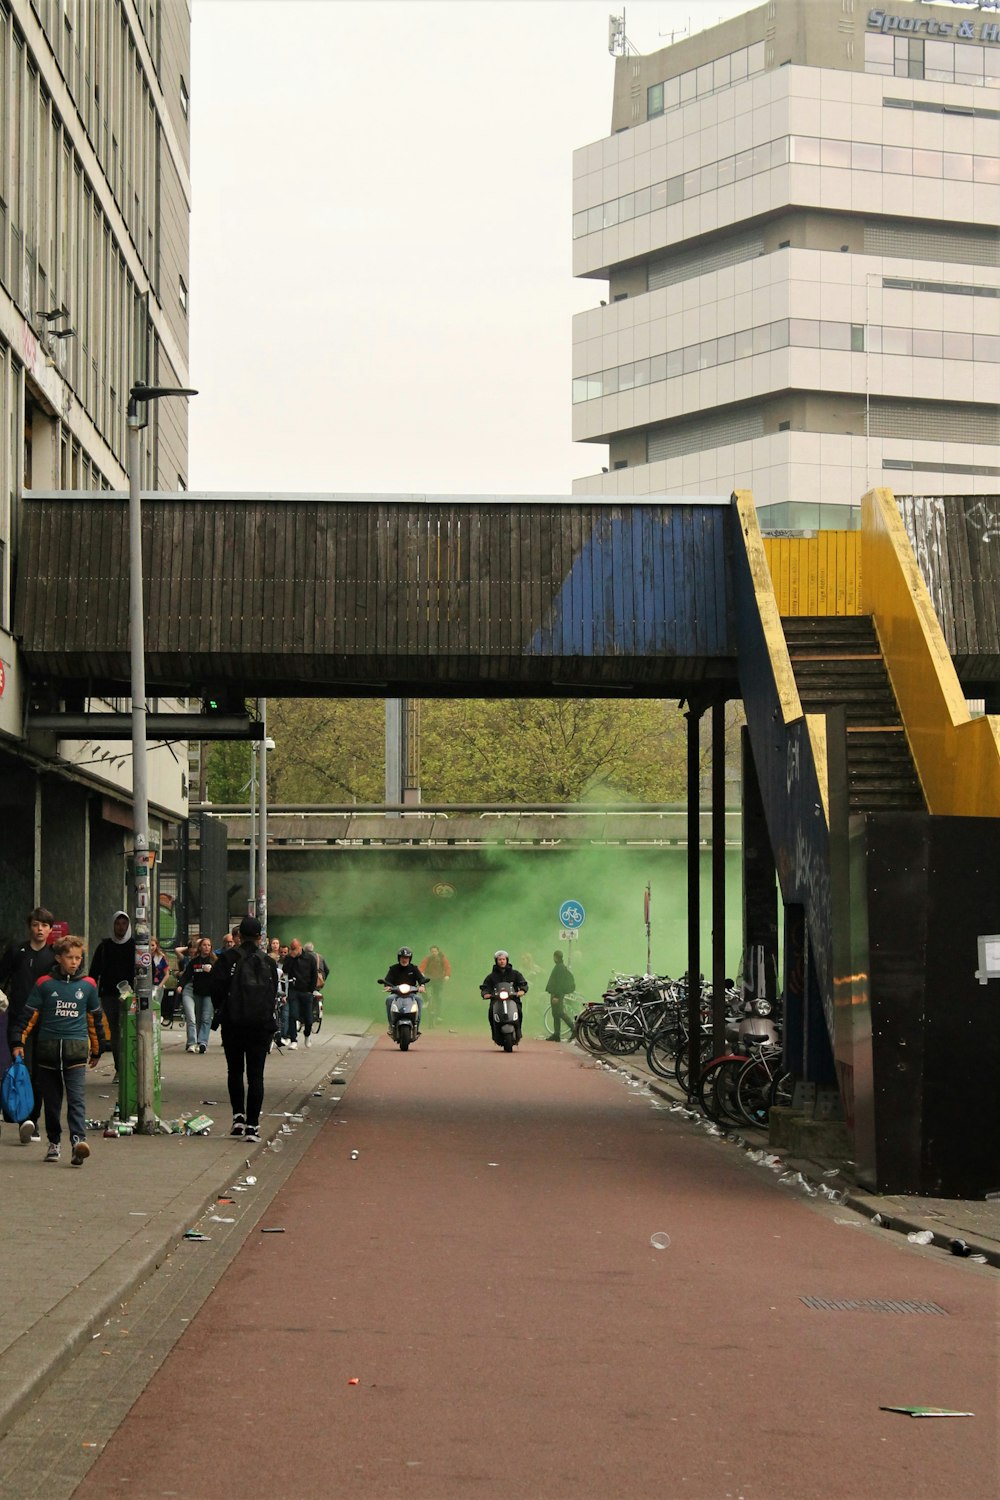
x=113, y=961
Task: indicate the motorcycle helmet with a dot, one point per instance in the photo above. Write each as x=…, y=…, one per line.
x=501, y=953
x=404, y=955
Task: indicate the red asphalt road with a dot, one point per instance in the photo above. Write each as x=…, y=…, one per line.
x=514, y=1333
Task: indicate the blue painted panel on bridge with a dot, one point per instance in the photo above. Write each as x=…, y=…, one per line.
x=649, y=582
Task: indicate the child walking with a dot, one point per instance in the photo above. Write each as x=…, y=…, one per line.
x=64, y=1014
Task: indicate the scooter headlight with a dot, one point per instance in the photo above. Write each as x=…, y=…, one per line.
x=762, y=1007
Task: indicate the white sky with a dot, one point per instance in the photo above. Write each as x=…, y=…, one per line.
x=381, y=290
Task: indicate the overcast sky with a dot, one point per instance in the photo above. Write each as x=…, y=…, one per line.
x=381, y=291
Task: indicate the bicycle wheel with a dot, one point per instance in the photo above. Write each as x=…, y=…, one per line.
x=717, y=1090
x=682, y=1056
x=588, y=1032
x=567, y=1024
x=753, y=1092
x=661, y=1051
x=621, y=1034
x=317, y=1013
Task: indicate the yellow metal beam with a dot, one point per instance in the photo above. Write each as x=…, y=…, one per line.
x=957, y=757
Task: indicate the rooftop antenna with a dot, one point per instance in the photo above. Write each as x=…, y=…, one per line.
x=618, y=43
x=680, y=31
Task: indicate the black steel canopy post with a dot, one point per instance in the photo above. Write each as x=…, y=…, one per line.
x=693, y=713
x=718, y=876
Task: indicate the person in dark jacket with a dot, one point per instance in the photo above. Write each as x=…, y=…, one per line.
x=64, y=1012
x=246, y=1046
x=301, y=971
x=195, y=985
x=503, y=974
x=113, y=961
x=559, y=984
x=20, y=970
x=405, y=971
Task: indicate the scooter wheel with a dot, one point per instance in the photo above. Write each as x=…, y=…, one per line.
x=508, y=1044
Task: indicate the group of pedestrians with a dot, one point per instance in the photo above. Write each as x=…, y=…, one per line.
x=60, y=1016
x=302, y=973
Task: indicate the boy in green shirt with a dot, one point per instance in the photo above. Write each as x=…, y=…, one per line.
x=63, y=1013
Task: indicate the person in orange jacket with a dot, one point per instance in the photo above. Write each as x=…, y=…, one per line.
x=437, y=971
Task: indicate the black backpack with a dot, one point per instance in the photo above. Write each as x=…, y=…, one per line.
x=251, y=997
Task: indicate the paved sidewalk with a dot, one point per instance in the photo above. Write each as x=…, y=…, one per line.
x=975, y=1222
x=79, y=1240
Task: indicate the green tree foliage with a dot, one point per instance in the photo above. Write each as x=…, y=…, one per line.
x=551, y=750
x=492, y=750
x=326, y=750
x=227, y=768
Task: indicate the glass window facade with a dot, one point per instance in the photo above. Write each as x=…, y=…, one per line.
x=698, y=83
x=957, y=166
x=800, y=333
x=938, y=61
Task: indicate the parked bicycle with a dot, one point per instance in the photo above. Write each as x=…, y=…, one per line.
x=572, y=1005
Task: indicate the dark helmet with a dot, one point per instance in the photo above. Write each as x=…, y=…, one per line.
x=404, y=954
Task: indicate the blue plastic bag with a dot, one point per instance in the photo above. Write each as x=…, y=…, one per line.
x=17, y=1097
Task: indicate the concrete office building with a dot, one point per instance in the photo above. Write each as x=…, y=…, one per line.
x=794, y=223
x=94, y=214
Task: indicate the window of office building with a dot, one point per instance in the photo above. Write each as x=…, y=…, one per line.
x=806, y=150
x=940, y=62
x=698, y=83
x=797, y=333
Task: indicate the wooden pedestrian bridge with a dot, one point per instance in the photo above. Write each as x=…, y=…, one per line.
x=388, y=596
x=854, y=653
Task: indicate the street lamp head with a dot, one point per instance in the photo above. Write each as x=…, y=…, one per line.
x=141, y=392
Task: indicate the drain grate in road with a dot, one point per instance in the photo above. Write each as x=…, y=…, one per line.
x=873, y=1304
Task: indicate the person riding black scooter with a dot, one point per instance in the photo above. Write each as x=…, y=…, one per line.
x=404, y=971
x=503, y=975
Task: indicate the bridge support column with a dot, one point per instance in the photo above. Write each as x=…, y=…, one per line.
x=760, y=883
x=395, y=756
x=693, y=714
x=718, y=875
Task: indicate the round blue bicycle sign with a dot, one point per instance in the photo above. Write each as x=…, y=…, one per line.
x=571, y=915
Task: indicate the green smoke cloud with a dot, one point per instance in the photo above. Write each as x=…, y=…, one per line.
x=360, y=906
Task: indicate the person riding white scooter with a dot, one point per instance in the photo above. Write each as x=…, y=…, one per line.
x=503, y=977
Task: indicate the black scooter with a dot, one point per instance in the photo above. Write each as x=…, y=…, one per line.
x=505, y=1015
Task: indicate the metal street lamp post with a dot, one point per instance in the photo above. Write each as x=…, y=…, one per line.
x=265, y=745
x=139, y=396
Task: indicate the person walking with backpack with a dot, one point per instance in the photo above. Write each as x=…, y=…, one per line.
x=244, y=990
x=559, y=984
